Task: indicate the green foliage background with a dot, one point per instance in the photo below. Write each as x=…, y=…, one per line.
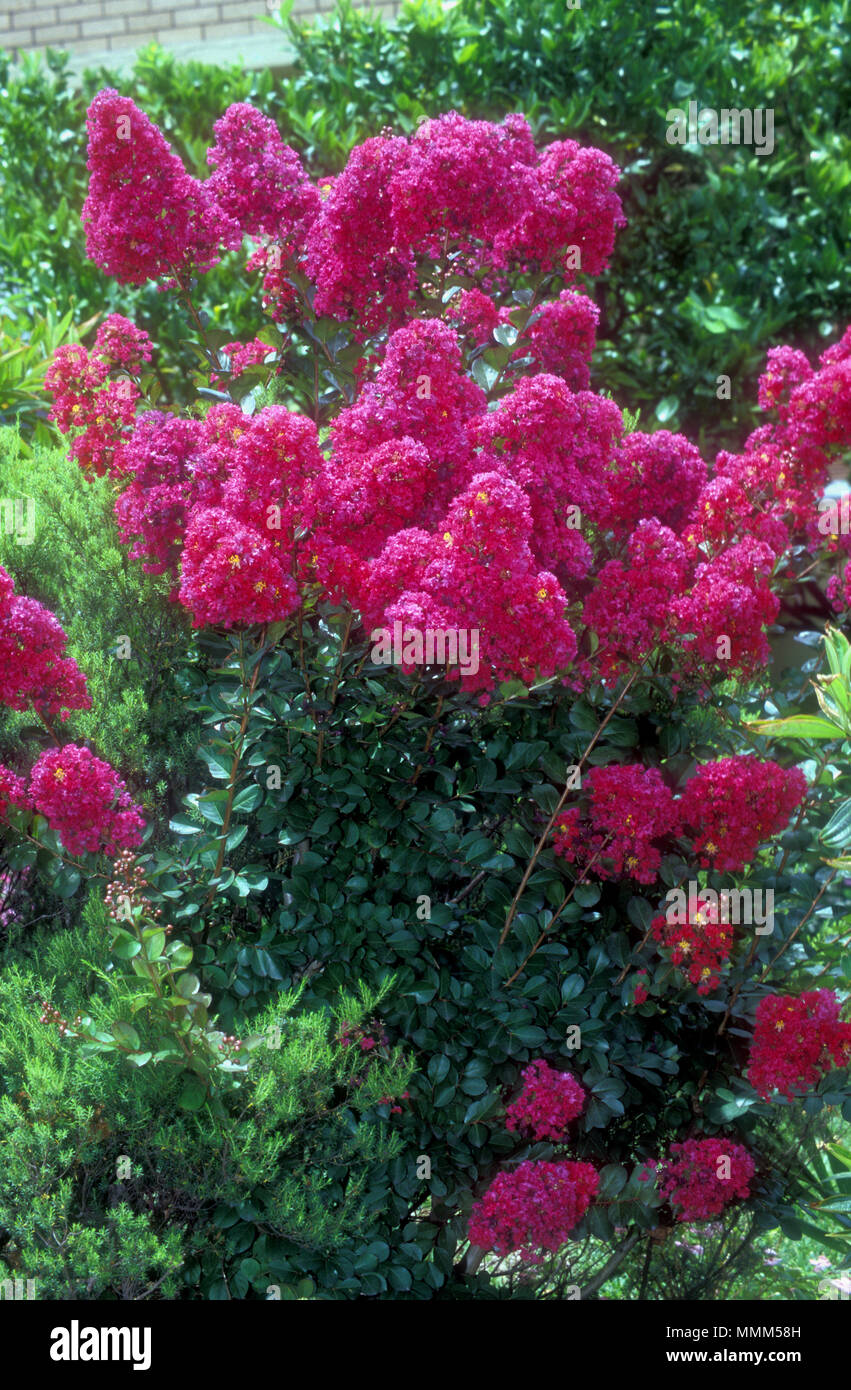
x=726, y=252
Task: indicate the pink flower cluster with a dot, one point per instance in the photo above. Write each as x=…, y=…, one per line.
x=231, y=573
x=726, y=811
x=475, y=571
x=705, y=1177
x=415, y=525
x=629, y=610
x=240, y=356
x=558, y=339
x=707, y=615
x=630, y=810
x=797, y=1040
x=259, y=182
x=225, y=495
x=699, y=946
x=656, y=475
x=34, y=670
x=13, y=791
x=531, y=518
x=145, y=217
x=735, y=525
x=119, y=343
x=82, y=798
x=85, y=396
x=533, y=1208
x=721, y=622
x=421, y=390
x=735, y=804
x=553, y=442
x=477, y=314
x=84, y=801
x=241, y=546
x=818, y=409
x=473, y=191
x=162, y=464
x=547, y=1103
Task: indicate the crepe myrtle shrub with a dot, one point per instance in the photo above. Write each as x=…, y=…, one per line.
x=473, y=655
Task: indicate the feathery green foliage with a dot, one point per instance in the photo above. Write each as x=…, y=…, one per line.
x=108, y=1189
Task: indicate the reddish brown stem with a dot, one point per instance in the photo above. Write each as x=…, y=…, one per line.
x=551, y=822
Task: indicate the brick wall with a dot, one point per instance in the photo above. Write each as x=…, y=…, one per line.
x=97, y=26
